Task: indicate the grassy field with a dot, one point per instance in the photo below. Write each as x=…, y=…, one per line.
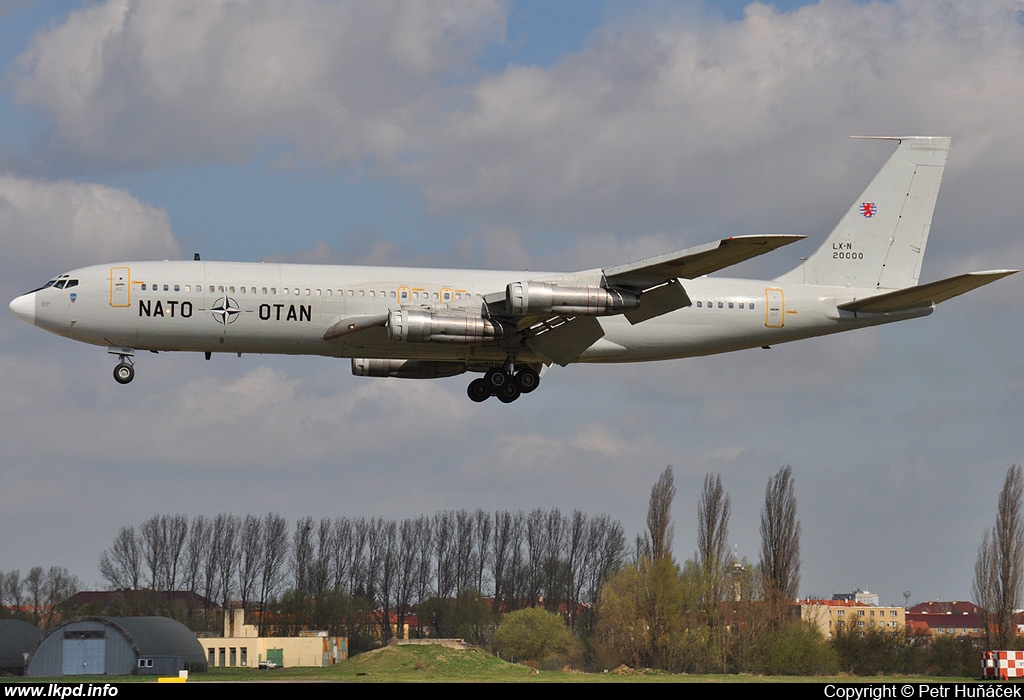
x=434, y=663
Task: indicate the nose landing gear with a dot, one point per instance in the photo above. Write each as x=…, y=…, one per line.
x=124, y=372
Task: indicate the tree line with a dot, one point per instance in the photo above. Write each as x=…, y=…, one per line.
x=324, y=573
x=462, y=571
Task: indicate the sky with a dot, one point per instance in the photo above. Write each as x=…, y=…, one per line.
x=512, y=135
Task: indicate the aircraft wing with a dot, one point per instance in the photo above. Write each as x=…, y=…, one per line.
x=925, y=294
x=695, y=262
x=352, y=325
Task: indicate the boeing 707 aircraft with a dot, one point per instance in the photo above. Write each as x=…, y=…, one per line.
x=428, y=323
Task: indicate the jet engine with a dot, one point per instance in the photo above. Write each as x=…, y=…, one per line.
x=522, y=298
x=406, y=369
x=420, y=326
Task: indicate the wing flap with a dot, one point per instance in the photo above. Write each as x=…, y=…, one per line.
x=562, y=341
x=925, y=294
x=695, y=262
x=658, y=301
x=354, y=324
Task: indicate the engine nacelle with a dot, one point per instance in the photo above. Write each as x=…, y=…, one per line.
x=419, y=326
x=406, y=369
x=522, y=298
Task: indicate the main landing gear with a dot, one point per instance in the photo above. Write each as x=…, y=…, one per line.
x=504, y=384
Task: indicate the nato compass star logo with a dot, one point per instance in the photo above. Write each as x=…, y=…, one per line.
x=225, y=310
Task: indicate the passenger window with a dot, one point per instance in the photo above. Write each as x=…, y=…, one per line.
x=177, y=287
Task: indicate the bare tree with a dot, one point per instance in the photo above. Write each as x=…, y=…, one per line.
x=505, y=552
x=250, y=564
x=658, y=544
x=999, y=571
x=152, y=539
x=12, y=590
x=197, y=549
x=121, y=565
x=482, y=530
x=35, y=590
x=302, y=554
x=275, y=553
x=226, y=529
x=175, y=532
x=985, y=586
x=444, y=554
x=713, y=513
x=59, y=585
x=780, y=545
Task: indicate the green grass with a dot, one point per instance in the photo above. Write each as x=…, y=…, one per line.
x=435, y=663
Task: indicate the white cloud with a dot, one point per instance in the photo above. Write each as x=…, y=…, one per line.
x=729, y=127
x=138, y=83
x=47, y=227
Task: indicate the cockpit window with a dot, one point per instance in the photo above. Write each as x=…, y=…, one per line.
x=71, y=283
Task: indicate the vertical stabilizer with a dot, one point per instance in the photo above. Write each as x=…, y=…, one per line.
x=880, y=242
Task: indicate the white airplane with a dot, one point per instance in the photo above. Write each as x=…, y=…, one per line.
x=427, y=323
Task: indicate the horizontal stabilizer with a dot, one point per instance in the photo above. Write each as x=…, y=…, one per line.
x=695, y=262
x=925, y=294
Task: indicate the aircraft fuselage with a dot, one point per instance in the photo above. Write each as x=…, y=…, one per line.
x=201, y=306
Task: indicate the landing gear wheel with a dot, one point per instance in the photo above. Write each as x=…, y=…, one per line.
x=527, y=380
x=124, y=373
x=508, y=393
x=479, y=390
x=496, y=378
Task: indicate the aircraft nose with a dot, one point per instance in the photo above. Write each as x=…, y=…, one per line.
x=24, y=307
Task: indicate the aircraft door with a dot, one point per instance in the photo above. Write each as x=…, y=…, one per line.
x=120, y=286
x=775, y=314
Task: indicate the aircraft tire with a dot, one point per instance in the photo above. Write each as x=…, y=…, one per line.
x=124, y=373
x=479, y=390
x=527, y=380
x=496, y=378
x=508, y=393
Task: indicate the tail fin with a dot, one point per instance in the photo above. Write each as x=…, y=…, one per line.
x=880, y=242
